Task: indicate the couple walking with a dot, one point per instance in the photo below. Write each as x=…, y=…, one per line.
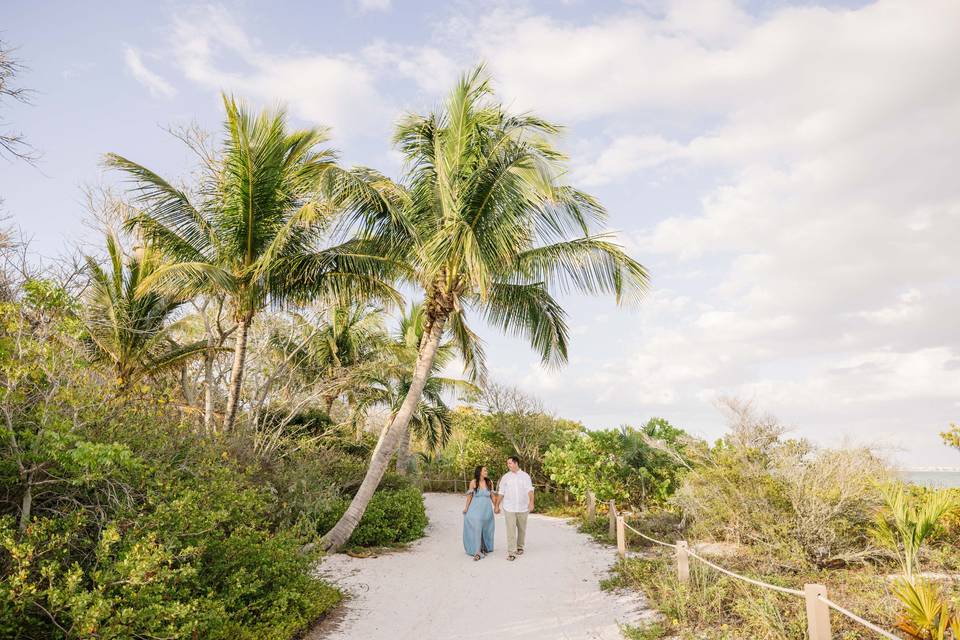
x=514, y=495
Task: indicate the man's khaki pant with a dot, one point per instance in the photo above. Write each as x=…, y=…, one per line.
x=516, y=530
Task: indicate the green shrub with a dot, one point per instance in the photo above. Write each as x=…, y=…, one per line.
x=394, y=516
x=197, y=558
x=784, y=497
x=638, y=467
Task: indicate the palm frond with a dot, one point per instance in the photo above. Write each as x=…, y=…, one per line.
x=529, y=310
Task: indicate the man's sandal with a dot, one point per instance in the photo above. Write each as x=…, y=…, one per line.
x=519, y=552
x=511, y=557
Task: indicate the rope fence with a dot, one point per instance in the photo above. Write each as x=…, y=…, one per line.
x=858, y=619
x=818, y=606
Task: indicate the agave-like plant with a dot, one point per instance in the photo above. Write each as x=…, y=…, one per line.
x=486, y=226
x=926, y=614
x=255, y=233
x=904, y=527
x=126, y=326
x=907, y=524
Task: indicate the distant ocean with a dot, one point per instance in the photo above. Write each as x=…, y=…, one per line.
x=934, y=478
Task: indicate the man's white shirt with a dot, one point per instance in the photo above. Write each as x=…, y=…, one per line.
x=515, y=488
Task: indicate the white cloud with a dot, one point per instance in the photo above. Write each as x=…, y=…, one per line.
x=340, y=91
x=153, y=82
x=431, y=69
x=626, y=156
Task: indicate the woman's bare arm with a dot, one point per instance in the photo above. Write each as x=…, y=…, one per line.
x=473, y=485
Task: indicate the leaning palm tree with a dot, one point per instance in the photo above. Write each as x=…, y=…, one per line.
x=388, y=382
x=487, y=227
x=126, y=327
x=254, y=233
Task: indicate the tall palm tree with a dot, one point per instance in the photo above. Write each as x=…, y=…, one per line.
x=255, y=233
x=127, y=327
x=487, y=225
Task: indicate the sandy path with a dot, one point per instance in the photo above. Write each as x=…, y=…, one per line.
x=435, y=591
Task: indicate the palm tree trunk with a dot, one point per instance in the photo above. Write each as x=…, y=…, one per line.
x=189, y=393
x=389, y=440
x=208, y=386
x=236, y=374
x=403, y=451
x=26, y=504
x=328, y=404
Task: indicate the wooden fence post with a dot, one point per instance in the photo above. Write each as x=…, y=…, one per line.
x=591, y=506
x=818, y=613
x=613, y=520
x=621, y=538
x=683, y=563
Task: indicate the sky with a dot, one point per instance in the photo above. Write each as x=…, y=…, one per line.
x=786, y=171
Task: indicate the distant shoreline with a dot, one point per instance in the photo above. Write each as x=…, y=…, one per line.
x=940, y=478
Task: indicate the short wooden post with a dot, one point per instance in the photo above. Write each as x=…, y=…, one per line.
x=591, y=506
x=818, y=613
x=613, y=520
x=683, y=563
x=621, y=538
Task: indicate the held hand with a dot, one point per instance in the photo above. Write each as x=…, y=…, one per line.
x=464, y=512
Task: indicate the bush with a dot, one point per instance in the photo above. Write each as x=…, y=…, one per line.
x=394, y=516
x=129, y=523
x=196, y=558
x=638, y=467
x=782, y=496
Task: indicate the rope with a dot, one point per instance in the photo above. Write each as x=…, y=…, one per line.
x=654, y=540
x=856, y=618
x=766, y=585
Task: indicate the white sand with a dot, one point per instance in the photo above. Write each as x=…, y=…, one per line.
x=434, y=591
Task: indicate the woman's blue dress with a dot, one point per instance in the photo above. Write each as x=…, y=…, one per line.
x=478, y=524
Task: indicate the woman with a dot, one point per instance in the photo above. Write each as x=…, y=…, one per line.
x=478, y=524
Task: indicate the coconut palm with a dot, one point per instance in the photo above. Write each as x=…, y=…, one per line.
x=125, y=326
x=255, y=233
x=489, y=227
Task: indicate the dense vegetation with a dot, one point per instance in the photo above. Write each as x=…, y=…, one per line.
x=787, y=513
x=123, y=517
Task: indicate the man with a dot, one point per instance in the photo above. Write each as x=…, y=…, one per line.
x=516, y=499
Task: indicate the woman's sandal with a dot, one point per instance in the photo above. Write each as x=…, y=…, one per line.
x=476, y=557
x=511, y=557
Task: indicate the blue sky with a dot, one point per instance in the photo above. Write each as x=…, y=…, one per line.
x=786, y=170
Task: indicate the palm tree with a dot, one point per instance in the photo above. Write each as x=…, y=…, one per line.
x=127, y=327
x=487, y=225
x=908, y=522
x=351, y=335
x=255, y=234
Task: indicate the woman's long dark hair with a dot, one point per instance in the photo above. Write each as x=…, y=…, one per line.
x=476, y=480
